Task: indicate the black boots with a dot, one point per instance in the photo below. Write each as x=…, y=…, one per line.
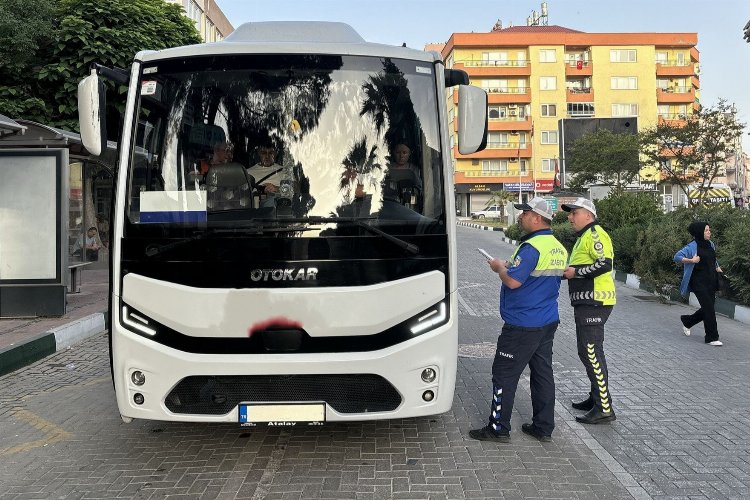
x=584, y=405
x=532, y=430
x=596, y=416
x=488, y=434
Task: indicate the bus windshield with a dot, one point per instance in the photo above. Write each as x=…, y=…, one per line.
x=258, y=141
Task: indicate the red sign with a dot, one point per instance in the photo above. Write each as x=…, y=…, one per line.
x=579, y=64
x=544, y=185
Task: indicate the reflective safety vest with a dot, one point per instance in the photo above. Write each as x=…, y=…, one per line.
x=552, y=255
x=592, y=245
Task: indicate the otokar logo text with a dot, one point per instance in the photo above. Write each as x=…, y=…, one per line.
x=293, y=274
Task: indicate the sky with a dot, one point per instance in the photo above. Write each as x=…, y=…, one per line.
x=724, y=54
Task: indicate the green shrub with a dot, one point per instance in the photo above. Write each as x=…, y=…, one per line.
x=514, y=232
x=658, y=243
x=565, y=235
x=626, y=247
x=624, y=209
x=734, y=256
x=560, y=217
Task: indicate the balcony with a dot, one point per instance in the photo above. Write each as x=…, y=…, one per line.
x=582, y=94
x=675, y=94
x=510, y=123
x=673, y=118
x=494, y=68
x=508, y=95
x=505, y=124
x=572, y=69
x=675, y=68
x=493, y=176
x=524, y=151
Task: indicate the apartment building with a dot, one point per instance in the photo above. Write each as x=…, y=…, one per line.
x=537, y=75
x=208, y=17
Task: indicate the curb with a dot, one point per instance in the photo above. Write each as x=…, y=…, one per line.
x=478, y=226
x=29, y=351
x=724, y=307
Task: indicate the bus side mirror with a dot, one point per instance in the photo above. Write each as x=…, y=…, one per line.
x=472, y=119
x=91, y=116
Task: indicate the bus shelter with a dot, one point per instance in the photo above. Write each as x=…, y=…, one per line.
x=54, y=216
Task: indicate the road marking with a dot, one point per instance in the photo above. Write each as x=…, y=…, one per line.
x=52, y=433
x=465, y=305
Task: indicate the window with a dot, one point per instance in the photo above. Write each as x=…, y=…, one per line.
x=495, y=85
x=548, y=164
x=549, y=109
x=494, y=165
x=549, y=137
x=547, y=55
x=497, y=139
x=661, y=57
x=495, y=58
x=622, y=55
x=624, y=110
x=580, y=109
x=624, y=82
x=451, y=114
x=495, y=112
x=547, y=82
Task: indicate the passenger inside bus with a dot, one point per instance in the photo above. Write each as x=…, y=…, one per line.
x=228, y=184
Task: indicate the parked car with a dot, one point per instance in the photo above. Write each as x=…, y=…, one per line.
x=493, y=211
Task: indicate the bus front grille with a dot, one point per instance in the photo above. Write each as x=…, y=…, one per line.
x=218, y=395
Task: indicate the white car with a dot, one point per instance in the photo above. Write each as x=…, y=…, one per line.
x=495, y=211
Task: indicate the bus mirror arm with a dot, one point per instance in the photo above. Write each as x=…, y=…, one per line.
x=115, y=74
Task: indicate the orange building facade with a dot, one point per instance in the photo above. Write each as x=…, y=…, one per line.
x=537, y=75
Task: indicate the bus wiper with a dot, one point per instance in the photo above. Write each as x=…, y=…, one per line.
x=153, y=250
x=360, y=221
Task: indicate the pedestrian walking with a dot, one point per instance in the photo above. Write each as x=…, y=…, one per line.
x=700, y=275
x=592, y=295
x=528, y=307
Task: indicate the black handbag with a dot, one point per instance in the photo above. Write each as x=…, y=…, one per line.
x=724, y=286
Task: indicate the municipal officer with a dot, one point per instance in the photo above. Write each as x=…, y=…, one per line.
x=528, y=306
x=592, y=295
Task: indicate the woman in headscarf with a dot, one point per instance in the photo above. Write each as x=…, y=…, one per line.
x=700, y=276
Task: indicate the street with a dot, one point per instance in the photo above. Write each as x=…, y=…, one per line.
x=682, y=426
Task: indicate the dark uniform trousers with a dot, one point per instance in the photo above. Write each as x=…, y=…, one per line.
x=517, y=347
x=590, y=321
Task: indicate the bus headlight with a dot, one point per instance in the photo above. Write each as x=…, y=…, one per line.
x=137, y=322
x=138, y=377
x=432, y=318
x=428, y=375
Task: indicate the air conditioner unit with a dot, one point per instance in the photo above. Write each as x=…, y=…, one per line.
x=513, y=112
x=513, y=106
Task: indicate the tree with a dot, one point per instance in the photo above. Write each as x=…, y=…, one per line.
x=76, y=34
x=694, y=151
x=26, y=31
x=605, y=157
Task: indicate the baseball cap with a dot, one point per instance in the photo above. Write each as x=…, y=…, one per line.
x=537, y=205
x=580, y=203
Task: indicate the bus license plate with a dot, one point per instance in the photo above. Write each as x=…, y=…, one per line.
x=282, y=415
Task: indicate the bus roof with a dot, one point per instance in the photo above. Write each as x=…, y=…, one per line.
x=291, y=37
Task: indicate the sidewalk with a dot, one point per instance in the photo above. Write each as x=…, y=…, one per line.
x=26, y=340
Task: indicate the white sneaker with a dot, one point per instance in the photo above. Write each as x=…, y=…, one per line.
x=686, y=331
x=716, y=343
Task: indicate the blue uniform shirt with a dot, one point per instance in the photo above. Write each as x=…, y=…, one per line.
x=534, y=303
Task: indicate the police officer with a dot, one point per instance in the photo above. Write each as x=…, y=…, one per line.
x=528, y=306
x=592, y=295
